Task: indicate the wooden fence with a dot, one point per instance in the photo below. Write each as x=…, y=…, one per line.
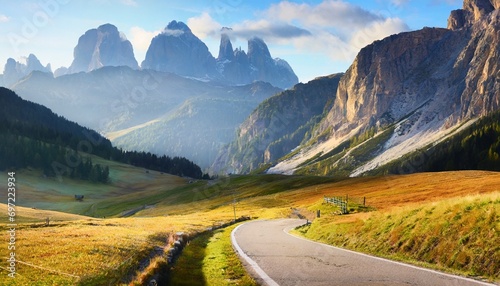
x=342, y=202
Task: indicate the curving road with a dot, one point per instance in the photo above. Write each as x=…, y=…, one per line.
x=275, y=257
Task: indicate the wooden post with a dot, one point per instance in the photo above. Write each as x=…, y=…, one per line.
x=234, y=209
x=364, y=201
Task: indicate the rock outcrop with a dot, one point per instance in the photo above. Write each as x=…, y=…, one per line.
x=104, y=46
x=472, y=11
x=179, y=51
x=14, y=71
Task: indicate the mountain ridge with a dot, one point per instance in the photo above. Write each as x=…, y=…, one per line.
x=112, y=99
x=402, y=93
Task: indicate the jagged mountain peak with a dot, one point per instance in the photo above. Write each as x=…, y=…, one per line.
x=15, y=70
x=108, y=28
x=103, y=46
x=472, y=11
x=226, y=47
x=176, y=49
x=178, y=26
x=257, y=47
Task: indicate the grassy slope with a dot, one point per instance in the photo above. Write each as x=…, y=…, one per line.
x=455, y=235
x=105, y=249
x=130, y=188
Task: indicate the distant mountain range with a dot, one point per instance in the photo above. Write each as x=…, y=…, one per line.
x=176, y=50
x=181, y=102
x=402, y=97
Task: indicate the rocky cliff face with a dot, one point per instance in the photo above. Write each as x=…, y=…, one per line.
x=14, y=71
x=418, y=87
x=472, y=11
x=391, y=78
x=104, y=46
x=179, y=51
x=278, y=125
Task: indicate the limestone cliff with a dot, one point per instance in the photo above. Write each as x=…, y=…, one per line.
x=412, y=89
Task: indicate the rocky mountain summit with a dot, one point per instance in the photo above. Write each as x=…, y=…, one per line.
x=104, y=46
x=472, y=11
x=176, y=49
x=14, y=70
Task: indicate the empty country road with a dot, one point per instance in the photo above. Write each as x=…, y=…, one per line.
x=278, y=258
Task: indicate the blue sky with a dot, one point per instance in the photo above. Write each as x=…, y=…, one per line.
x=315, y=37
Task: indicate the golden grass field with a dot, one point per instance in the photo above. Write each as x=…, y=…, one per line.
x=96, y=251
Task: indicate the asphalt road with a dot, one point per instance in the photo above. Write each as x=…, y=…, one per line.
x=275, y=257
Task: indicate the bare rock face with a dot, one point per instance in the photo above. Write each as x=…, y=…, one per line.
x=226, y=52
x=472, y=11
x=479, y=8
x=458, y=19
x=104, y=46
x=277, y=126
x=392, y=77
x=179, y=51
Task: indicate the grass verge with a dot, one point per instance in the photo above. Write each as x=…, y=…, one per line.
x=210, y=260
x=458, y=235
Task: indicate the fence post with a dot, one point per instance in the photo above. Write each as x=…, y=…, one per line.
x=364, y=201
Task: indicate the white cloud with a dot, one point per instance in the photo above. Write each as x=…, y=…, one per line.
x=333, y=28
x=204, y=26
x=268, y=29
x=4, y=19
x=141, y=39
x=376, y=31
x=337, y=29
x=338, y=14
x=323, y=42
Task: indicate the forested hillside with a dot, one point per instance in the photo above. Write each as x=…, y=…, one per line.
x=33, y=136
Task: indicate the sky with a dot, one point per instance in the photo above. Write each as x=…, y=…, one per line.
x=316, y=37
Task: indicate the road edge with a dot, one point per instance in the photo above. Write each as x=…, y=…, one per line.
x=287, y=231
x=250, y=262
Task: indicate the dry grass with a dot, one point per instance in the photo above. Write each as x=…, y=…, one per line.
x=90, y=252
x=458, y=234
x=103, y=251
